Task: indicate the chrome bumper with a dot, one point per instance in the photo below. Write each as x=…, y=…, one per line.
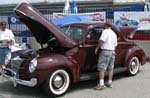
x=13, y=78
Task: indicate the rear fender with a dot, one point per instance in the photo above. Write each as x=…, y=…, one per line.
x=132, y=52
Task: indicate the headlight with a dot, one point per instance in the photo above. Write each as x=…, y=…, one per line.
x=33, y=65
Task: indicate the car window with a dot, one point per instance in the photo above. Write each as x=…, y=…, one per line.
x=95, y=33
x=142, y=32
x=76, y=33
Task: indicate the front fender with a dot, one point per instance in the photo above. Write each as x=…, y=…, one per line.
x=135, y=51
x=48, y=63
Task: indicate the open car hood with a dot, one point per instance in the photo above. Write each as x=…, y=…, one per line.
x=42, y=28
x=128, y=31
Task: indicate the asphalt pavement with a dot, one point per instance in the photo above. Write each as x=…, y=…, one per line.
x=123, y=87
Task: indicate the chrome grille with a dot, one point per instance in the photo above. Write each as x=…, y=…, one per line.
x=16, y=63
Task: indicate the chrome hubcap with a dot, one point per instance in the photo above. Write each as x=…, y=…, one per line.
x=133, y=66
x=58, y=81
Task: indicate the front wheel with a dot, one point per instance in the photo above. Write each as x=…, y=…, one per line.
x=58, y=82
x=133, y=66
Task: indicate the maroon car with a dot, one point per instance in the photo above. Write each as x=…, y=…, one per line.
x=67, y=53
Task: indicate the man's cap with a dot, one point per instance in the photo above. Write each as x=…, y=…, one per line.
x=3, y=23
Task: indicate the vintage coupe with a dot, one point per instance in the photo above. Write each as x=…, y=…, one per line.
x=67, y=53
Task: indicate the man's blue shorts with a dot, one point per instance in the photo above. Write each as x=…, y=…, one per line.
x=5, y=55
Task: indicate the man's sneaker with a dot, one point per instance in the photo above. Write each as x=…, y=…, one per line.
x=99, y=87
x=108, y=85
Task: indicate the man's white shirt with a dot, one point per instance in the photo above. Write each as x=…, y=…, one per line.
x=5, y=36
x=109, y=38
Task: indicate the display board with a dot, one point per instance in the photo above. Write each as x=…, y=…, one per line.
x=139, y=19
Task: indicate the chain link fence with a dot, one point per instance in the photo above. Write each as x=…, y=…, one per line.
x=23, y=34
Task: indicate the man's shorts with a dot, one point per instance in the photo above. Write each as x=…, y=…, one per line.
x=106, y=60
x=5, y=56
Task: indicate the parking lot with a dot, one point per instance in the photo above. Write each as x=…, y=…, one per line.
x=123, y=87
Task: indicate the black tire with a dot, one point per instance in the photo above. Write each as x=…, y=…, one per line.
x=58, y=83
x=133, y=66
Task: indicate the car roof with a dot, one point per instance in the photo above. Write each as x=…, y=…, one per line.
x=86, y=23
x=123, y=32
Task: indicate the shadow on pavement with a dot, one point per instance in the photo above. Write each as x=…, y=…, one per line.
x=7, y=87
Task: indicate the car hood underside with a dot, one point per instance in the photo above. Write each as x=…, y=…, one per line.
x=42, y=28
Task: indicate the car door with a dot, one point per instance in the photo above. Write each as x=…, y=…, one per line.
x=89, y=59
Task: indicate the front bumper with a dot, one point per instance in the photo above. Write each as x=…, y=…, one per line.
x=10, y=75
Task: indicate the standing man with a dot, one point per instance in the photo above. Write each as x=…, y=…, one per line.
x=6, y=41
x=107, y=44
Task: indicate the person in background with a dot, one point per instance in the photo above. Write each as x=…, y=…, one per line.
x=123, y=20
x=107, y=44
x=6, y=41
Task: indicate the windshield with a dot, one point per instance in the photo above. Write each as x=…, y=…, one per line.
x=74, y=32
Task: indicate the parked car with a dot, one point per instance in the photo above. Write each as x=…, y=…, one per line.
x=142, y=35
x=67, y=53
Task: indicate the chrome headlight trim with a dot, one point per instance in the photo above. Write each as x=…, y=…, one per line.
x=32, y=65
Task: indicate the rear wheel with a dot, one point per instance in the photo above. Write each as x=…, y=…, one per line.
x=133, y=66
x=58, y=82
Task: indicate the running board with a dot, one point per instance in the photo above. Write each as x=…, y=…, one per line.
x=90, y=76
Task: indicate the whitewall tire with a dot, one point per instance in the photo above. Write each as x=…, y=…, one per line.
x=133, y=66
x=58, y=82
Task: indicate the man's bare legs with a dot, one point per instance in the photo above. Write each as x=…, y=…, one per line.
x=110, y=77
x=101, y=77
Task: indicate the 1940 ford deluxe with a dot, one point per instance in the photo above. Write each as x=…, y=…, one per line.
x=67, y=53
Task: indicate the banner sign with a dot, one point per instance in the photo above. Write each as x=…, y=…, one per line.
x=128, y=1
x=97, y=16
x=139, y=19
x=13, y=20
